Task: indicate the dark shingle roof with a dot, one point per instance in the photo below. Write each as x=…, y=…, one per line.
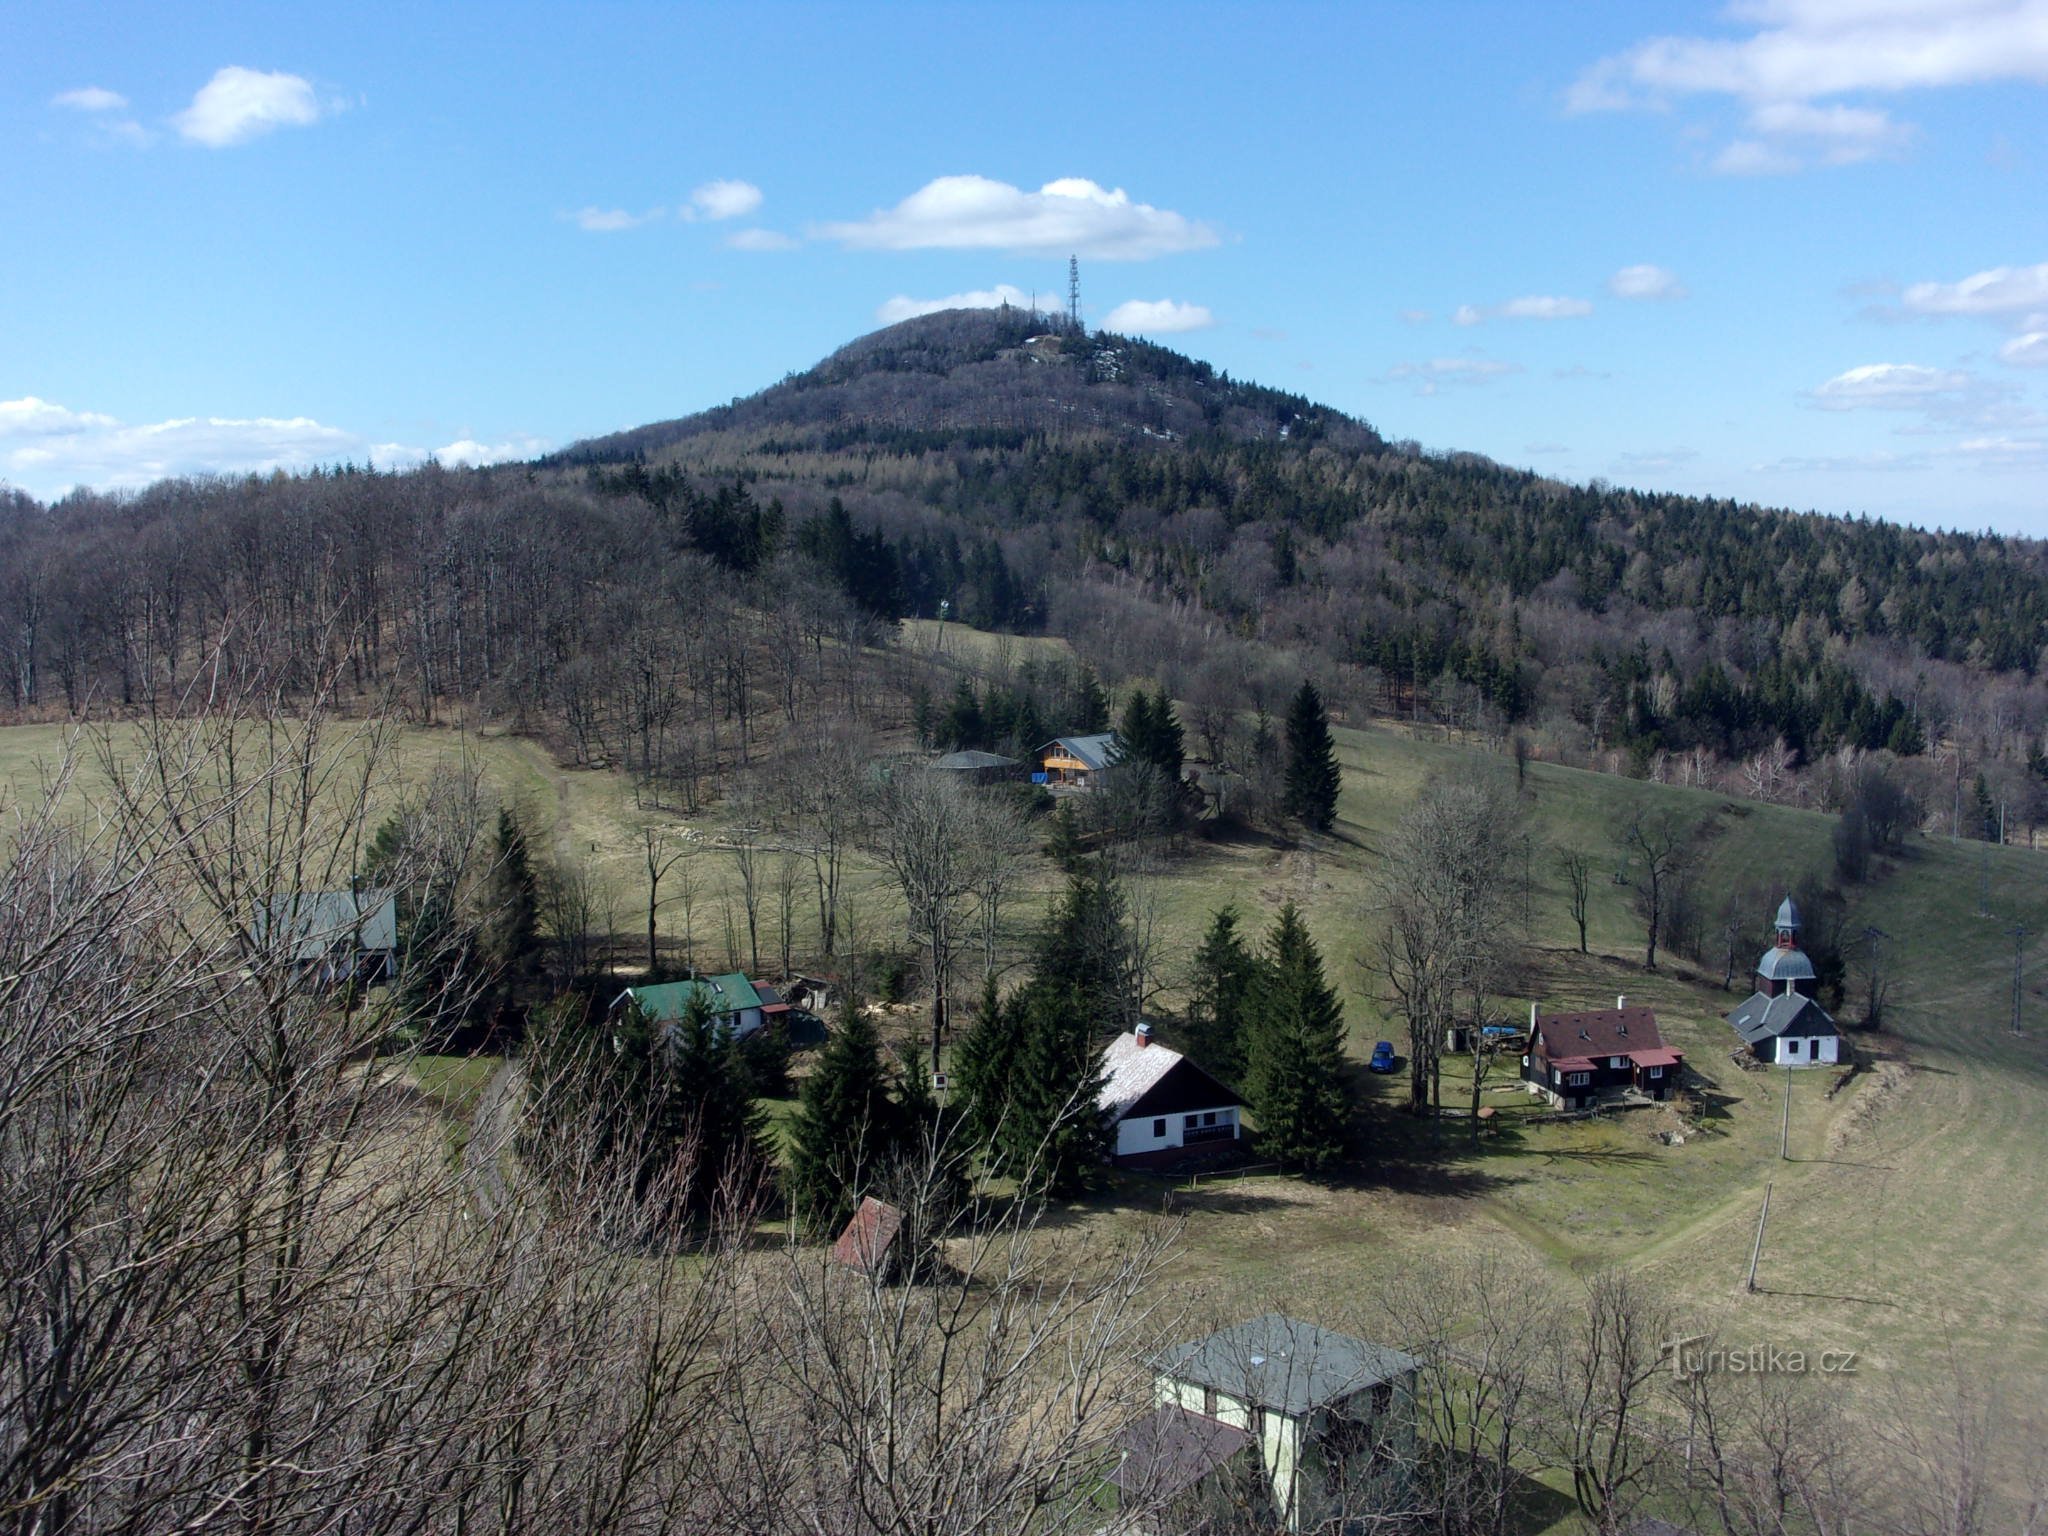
x=1788, y=1013
x=1170, y=1450
x=1599, y=1032
x=1282, y=1363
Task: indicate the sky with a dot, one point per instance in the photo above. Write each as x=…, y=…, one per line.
x=1785, y=251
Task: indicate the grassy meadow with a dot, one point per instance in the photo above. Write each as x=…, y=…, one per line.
x=1908, y=1224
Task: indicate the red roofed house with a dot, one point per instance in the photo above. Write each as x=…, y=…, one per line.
x=1159, y=1103
x=869, y=1242
x=1579, y=1059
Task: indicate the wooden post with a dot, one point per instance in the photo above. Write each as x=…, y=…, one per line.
x=1757, y=1252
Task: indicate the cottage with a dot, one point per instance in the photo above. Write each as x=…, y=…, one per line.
x=1160, y=1103
x=731, y=998
x=1579, y=1059
x=1072, y=762
x=331, y=937
x=1783, y=1022
x=1320, y=1423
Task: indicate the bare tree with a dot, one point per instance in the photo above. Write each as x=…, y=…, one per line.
x=998, y=860
x=926, y=822
x=1577, y=869
x=1658, y=844
x=664, y=853
x=1446, y=895
x=1603, y=1382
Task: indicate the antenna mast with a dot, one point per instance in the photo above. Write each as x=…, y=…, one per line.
x=1074, y=292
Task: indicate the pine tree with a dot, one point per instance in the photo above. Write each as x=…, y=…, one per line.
x=1313, y=777
x=1053, y=1137
x=1085, y=946
x=1223, y=986
x=845, y=1130
x=707, y=1131
x=1294, y=1076
x=984, y=1067
x=511, y=903
x=1134, y=730
x=1094, y=704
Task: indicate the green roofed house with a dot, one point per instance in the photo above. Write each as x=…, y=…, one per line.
x=731, y=999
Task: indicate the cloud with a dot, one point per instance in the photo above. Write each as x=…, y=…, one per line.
x=48, y=449
x=238, y=105
x=1535, y=306
x=2028, y=351
x=1999, y=291
x=610, y=221
x=1428, y=377
x=1157, y=317
x=1655, y=460
x=1798, y=53
x=761, y=240
x=90, y=98
x=903, y=307
x=1891, y=386
x=722, y=200
x=1646, y=281
x=1071, y=215
x=1414, y=316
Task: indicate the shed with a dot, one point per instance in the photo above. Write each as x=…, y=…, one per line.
x=868, y=1243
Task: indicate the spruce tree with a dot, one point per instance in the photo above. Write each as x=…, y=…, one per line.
x=1053, y=1137
x=1224, y=984
x=706, y=1130
x=511, y=903
x=845, y=1127
x=984, y=1067
x=1294, y=1077
x=1093, y=703
x=1313, y=777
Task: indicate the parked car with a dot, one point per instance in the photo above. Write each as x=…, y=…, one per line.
x=1382, y=1057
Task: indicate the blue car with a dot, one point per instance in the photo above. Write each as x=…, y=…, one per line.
x=1382, y=1057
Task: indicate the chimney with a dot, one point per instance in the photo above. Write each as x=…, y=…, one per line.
x=1620, y=1003
x=1532, y=1017
x=1143, y=1033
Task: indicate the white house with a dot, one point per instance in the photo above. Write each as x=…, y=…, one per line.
x=1325, y=1421
x=1783, y=1022
x=1160, y=1102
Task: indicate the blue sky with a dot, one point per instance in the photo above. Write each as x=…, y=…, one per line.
x=1791, y=251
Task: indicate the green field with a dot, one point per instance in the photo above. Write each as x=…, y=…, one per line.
x=1909, y=1223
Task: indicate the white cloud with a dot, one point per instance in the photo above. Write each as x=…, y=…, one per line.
x=2028, y=351
x=1646, y=281
x=761, y=240
x=610, y=221
x=1535, y=306
x=1802, y=52
x=902, y=307
x=1749, y=157
x=1998, y=447
x=1157, y=317
x=1069, y=215
x=1414, y=316
x=238, y=105
x=47, y=449
x=722, y=200
x=1891, y=386
x=1429, y=376
x=1999, y=291
x=90, y=98
x=1656, y=460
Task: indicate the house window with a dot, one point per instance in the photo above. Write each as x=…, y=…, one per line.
x=1577, y=1079
x=1656, y=1072
x=1193, y=1121
x=1791, y=1047
x=1159, y=1130
x=1617, y=1062
x=1209, y=1401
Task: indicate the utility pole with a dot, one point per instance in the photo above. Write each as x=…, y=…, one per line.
x=1757, y=1253
x=2019, y=939
x=1785, y=1127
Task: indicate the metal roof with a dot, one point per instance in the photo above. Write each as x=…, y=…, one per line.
x=1097, y=751
x=973, y=759
x=1279, y=1362
x=1788, y=914
x=1789, y=1013
x=1785, y=965
x=731, y=993
x=313, y=925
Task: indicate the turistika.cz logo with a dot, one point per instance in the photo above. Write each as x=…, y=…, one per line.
x=1698, y=1355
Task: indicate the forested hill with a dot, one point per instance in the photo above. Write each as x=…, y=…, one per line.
x=1212, y=536
x=1158, y=512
